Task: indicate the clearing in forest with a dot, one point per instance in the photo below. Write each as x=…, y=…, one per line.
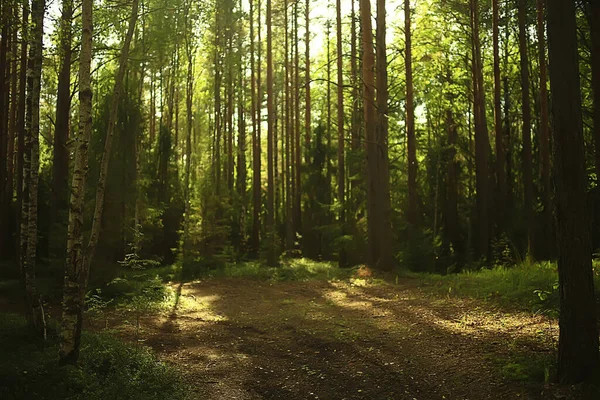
x=353, y=339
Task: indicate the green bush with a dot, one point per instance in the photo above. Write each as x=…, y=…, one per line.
x=108, y=368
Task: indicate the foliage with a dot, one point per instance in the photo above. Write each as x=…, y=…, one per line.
x=289, y=270
x=108, y=368
x=527, y=286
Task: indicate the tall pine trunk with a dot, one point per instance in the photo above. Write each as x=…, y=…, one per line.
x=500, y=203
x=544, y=139
x=578, y=357
x=341, y=178
x=413, y=212
x=526, y=115
x=60, y=160
x=29, y=207
x=271, y=251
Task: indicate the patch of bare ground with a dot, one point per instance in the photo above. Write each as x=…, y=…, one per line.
x=246, y=339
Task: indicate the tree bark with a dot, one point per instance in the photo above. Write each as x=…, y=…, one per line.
x=29, y=210
x=413, y=212
x=271, y=252
x=500, y=203
x=482, y=144
x=526, y=110
x=386, y=256
x=544, y=138
x=578, y=357
x=60, y=161
x=78, y=262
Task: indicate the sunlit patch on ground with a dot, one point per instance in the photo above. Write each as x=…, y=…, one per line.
x=354, y=338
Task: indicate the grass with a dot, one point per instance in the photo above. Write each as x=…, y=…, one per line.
x=528, y=286
x=108, y=368
x=297, y=270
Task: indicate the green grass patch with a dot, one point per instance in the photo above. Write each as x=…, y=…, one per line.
x=528, y=286
x=108, y=368
x=296, y=269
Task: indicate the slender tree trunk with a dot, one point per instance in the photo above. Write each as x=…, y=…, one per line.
x=526, y=110
x=70, y=333
x=256, y=203
x=370, y=126
x=578, y=358
x=500, y=203
x=60, y=164
x=5, y=12
x=272, y=253
x=189, y=97
x=297, y=156
x=79, y=259
x=386, y=256
x=29, y=211
x=413, y=212
x=482, y=144
x=544, y=139
x=341, y=137
x=307, y=112
x=20, y=161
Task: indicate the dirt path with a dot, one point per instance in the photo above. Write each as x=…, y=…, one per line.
x=236, y=339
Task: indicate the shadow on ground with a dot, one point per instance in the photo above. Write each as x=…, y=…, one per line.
x=240, y=339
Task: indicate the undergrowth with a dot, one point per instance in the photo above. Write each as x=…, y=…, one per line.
x=528, y=286
x=295, y=269
x=107, y=369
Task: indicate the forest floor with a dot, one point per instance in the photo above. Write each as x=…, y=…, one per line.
x=349, y=339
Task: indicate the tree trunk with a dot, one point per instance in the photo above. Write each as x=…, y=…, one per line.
x=78, y=263
x=370, y=126
x=386, y=256
x=20, y=161
x=340, y=126
x=4, y=134
x=482, y=144
x=526, y=110
x=29, y=211
x=307, y=116
x=256, y=203
x=578, y=341
x=544, y=138
x=413, y=212
x=189, y=97
x=297, y=156
x=271, y=252
x=60, y=163
x=500, y=203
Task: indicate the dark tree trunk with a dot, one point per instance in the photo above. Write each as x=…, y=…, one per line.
x=411, y=140
x=340, y=126
x=60, y=160
x=500, y=202
x=526, y=115
x=544, y=139
x=578, y=341
x=482, y=144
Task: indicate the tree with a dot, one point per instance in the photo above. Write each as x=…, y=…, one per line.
x=578, y=357
x=500, y=203
x=413, y=212
x=482, y=144
x=77, y=266
x=272, y=254
x=29, y=206
x=526, y=115
x=544, y=133
x=60, y=159
x=384, y=209
x=340, y=126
